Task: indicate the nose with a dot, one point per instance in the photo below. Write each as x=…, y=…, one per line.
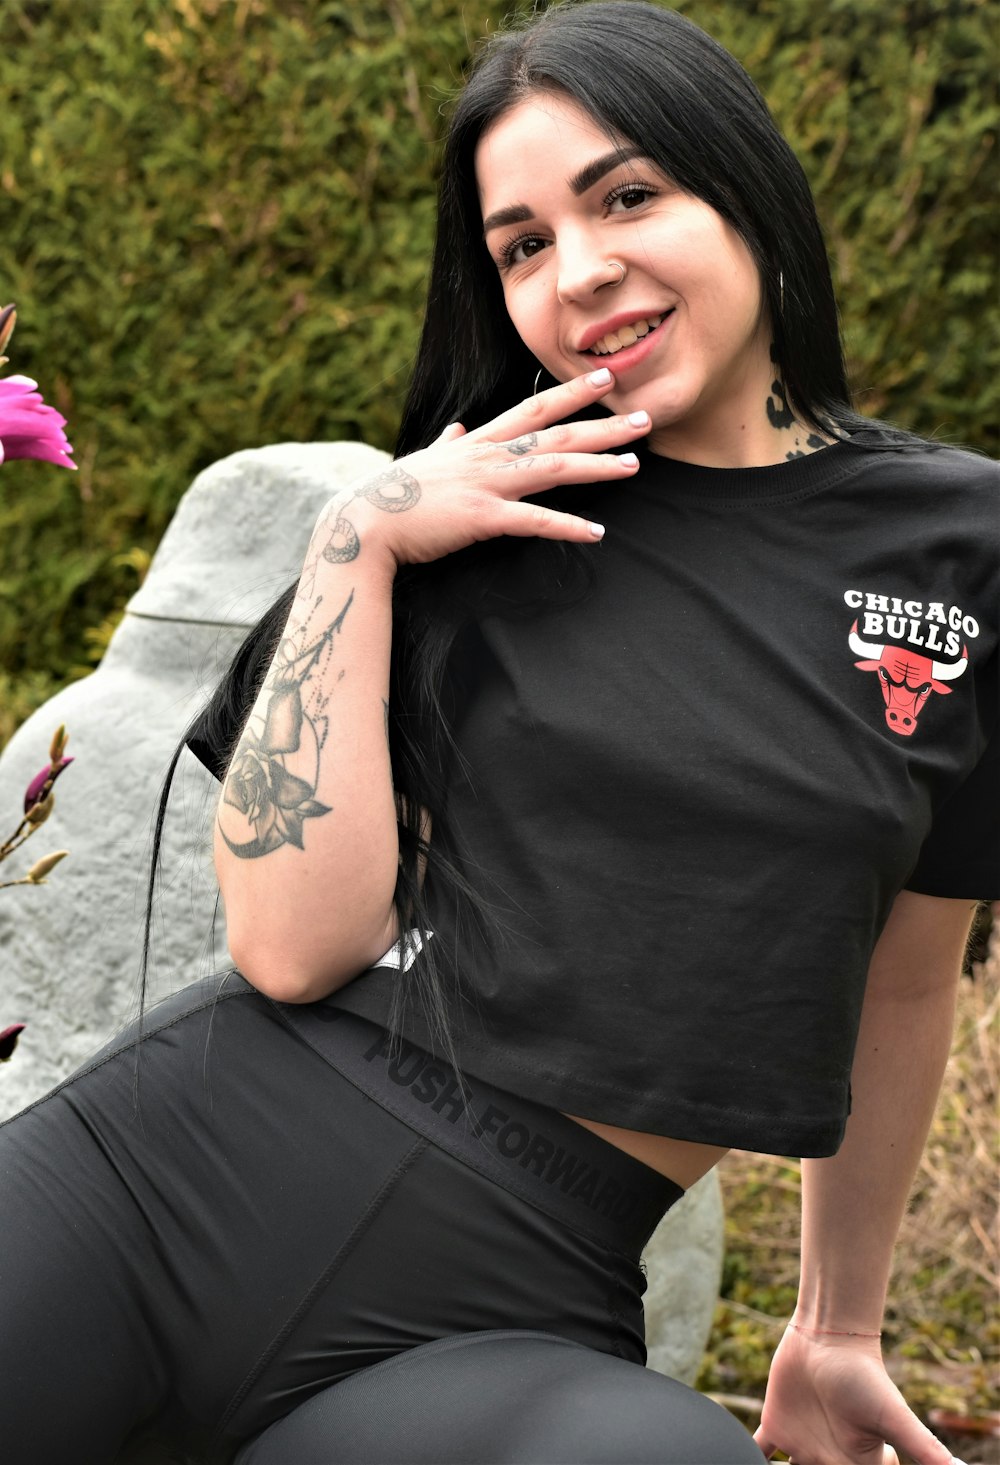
x=583, y=268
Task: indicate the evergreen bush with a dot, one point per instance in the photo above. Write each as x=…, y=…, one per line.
x=217, y=217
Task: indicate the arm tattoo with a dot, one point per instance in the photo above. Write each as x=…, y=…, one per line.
x=393, y=491
x=343, y=544
x=271, y=784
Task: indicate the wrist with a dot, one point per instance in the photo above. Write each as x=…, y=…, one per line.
x=813, y=1332
x=348, y=539
x=839, y=1300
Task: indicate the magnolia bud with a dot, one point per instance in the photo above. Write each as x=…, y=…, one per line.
x=36, y=875
x=58, y=745
x=8, y=318
x=38, y=813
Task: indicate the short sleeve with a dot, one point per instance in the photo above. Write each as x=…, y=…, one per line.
x=210, y=744
x=960, y=857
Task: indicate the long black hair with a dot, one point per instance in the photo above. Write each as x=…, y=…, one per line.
x=648, y=76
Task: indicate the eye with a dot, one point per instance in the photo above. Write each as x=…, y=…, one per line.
x=883, y=673
x=516, y=251
x=631, y=193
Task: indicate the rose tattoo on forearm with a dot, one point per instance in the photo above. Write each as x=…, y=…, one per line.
x=271, y=785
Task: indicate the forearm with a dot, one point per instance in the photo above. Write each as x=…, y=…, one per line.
x=305, y=839
x=853, y=1202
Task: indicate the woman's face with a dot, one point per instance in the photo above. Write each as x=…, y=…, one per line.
x=557, y=206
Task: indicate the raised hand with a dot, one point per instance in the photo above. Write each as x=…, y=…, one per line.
x=468, y=486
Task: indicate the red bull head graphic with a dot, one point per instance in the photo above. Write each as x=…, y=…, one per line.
x=907, y=679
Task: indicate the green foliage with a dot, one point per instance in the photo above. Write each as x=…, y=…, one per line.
x=217, y=218
x=891, y=106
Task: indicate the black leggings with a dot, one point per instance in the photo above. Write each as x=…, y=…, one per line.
x=291, y=1204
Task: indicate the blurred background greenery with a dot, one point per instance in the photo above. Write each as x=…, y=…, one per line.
x=217, y=218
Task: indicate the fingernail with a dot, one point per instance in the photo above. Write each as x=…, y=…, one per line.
x=597, y=530
x=599, y=378
x=629, y=459
x=638, y=419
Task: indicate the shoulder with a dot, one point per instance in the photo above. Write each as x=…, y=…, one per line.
x=951, y=488
x=921, y=462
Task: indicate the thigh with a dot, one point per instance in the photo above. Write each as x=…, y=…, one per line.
x=251, y=1231
x=505, y=1398
x=78, y=1369
x=153, y=1251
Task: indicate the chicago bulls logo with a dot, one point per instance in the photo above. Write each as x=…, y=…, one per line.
x=906, y=678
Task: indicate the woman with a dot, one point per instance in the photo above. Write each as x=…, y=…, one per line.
x=663, y=773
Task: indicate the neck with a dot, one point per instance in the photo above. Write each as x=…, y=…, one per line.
x=760, y=437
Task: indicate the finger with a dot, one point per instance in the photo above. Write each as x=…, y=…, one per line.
x=526, y=521
x=547, y=407
x=452, y=431
x=911, y=1438
x=594, y=436
x=537, y=472
x=764, y=1444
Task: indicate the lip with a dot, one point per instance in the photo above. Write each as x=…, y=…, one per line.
x=623, y=318
x=630, y=356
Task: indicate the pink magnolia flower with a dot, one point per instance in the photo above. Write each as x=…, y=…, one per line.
x=42, y=782
x=8, y=1040
x=29, y=427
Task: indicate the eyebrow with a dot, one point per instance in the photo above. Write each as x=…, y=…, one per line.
x=591, y=173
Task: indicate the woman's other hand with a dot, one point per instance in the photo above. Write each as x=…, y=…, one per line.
x=468, y=486
x=829, y=1401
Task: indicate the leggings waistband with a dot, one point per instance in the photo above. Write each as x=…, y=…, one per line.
x=535, y=1152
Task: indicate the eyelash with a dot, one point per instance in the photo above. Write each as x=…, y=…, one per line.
x=631, y=185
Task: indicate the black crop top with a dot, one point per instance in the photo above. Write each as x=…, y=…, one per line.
x=691, y=798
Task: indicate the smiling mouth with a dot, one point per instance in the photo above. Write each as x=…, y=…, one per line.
x=626, y=336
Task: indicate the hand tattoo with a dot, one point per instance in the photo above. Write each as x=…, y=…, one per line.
x=394, y=491
x=343, y=544
x=522, y=444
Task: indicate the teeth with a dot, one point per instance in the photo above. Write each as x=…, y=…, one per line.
x=625, y=336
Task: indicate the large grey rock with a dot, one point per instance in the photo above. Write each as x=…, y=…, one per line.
x=683, y=1268
x=69, y=951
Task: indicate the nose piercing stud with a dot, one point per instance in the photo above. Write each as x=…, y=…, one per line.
x=616, y=266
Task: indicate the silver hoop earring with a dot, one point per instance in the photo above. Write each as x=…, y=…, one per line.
x=781, y=292
x=538, y=377
x=613, y=284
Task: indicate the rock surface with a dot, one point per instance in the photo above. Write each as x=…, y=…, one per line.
x=69, y=951
x=683, y=1267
